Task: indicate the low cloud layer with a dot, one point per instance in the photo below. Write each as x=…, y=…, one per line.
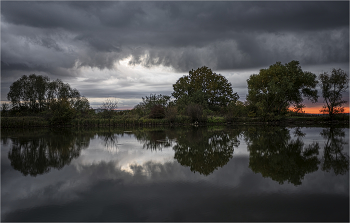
x=64, y=39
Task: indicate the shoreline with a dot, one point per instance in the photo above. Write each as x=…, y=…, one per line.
x=39, y=122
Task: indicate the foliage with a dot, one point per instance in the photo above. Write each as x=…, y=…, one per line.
x=157, y=112
x=170, y=113
x=36, y=93
x=5, y=107
x=57, y=90
x=198, y=97
x=205, y=88
x=81, y=105
x=235, y=110
x=148, y=103
x=214, y=119
x=276, y=88
x=139, y=110
x=62, y=112
x=28, y=91
x=195, y=112
x=333, y=85
x=16, y=122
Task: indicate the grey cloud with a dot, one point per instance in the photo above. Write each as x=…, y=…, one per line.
x=99, y=44
x=59, y=38
x=185, y=15
x=161, y=27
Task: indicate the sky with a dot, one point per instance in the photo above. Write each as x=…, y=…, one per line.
x=129, y=49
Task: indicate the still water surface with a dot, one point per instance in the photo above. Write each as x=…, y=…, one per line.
x=175, y=174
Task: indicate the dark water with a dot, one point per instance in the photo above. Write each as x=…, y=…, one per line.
x=182, y=174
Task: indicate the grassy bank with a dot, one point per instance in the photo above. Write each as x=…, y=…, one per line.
x=29, y=121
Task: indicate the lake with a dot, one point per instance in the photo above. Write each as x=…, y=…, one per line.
x=217, y=173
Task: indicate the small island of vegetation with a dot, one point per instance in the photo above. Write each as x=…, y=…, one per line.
x=202, y=97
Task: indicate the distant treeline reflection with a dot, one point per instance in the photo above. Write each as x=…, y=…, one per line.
x=278, y=153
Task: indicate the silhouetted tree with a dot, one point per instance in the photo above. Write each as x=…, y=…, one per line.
x=276, y=88
x=109, y=107
x=333, y=86
x=204, y=87
x=37, y=93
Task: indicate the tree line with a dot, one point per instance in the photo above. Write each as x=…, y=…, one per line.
x=36, y=94
x=274, y=91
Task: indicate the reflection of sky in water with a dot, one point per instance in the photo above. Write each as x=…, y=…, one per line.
x=132, y=183
x=127, y=151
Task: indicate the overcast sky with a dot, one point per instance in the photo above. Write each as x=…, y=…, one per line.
x=128, y=50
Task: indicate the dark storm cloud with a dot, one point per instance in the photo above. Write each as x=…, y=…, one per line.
x=185, y=35
x=61, y=39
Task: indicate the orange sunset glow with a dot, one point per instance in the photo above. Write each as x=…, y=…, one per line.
x=316, y=110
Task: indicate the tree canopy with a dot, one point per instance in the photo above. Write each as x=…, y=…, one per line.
x=153, y=104
x=204, y=87
x=276, y=88
x=36, y=93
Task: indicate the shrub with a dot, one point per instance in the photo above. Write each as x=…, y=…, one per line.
x=62, y=112
x=195, y=112
x=157, y=112
x=170, y=113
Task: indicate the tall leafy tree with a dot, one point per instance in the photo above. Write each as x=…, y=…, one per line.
x=203, y=84
x=36, y=93
x=280, y=86
x=333, y=86
x=28, y=92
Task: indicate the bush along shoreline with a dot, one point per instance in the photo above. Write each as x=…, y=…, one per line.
x=25, y=122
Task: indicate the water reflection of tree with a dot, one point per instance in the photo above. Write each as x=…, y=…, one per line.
x=36, y=154
x=110, y=140
x=155, y=139
x=274, y=154
x=334, y=157
x=205, y=151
